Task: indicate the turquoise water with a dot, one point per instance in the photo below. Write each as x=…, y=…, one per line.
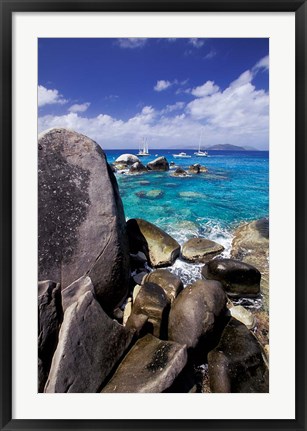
x=210, y=205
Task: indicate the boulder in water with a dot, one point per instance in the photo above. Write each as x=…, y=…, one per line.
x=194, y=312
x=151, y=366
x=159, y=164
x=137, y=168
x=159, y=247
x=81, y=222
x=236, y=364
x=200, y=250
x=126, y=159
x=179, y=172
x=238, y=278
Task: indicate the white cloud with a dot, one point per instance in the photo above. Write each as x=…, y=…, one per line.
x=262, y=64
x=238, y=115
x=170, y=108
x=212, y=53
x=132, y=42
x=196, y=42
x=79, y=107
x=162, y=85
x=206, y=89
x=49, y=97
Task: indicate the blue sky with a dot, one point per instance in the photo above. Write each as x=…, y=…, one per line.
x=118, y=90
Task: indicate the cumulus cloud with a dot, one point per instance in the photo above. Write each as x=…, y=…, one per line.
x=132, y=42
x=206, y=89
x=79, y=107
x=162, y=85
x=196, y=42
x=237, y=114
x=48, y=97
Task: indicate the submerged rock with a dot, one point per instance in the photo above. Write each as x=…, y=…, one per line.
x=170, y=283
x=152, y=301
x=159, y=247
x=151, y=194
x=90, y=344
x=194, y=312
x=191, y=195
x=50, y=316
x=150, y=366
x=236, y=364
x=159, y=164
x=200, y=250
x=238, y=278
x=81, y=222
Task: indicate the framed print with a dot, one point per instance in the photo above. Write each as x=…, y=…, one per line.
x=153, y=215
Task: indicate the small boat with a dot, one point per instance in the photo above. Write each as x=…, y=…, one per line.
x=144, y=151
x=182, y=155
x=201, y=153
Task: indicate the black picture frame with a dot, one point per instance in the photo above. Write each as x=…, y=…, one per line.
x=7, y=9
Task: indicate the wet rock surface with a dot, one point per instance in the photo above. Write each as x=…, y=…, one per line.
x=179, y=172
x=200, y=250
x=81, y=223
x=238, y=278
x=236, y=364
x=159, y=247
x=150, y=366
x=90, y=344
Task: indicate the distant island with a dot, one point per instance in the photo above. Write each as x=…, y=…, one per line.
x=229, y=147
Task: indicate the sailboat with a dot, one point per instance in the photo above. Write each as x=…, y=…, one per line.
x=201, y=153
x=144, y=151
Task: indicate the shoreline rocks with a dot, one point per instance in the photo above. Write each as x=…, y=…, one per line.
x=238, y=278
x=160, y=248
x=159, y=164
x=200, y=250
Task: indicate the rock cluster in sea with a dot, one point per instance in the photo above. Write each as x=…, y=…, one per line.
x=112, y=317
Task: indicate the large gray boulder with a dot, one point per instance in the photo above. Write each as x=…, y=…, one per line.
x=90, y=344
x=159, y=247
x=159, y=164
x=50, y=316
x=194, y=312
x=152, y=301
x=81, y=222
x=170, y=283
x=236, y=364
x=238, y=278
x=200, y=250
x=151, y=366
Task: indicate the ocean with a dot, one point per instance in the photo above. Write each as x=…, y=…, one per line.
x=211, y=205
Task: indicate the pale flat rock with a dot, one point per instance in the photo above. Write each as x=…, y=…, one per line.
x=90, y=344
x=151, y=366
x=73, y=292
x=200, y=250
